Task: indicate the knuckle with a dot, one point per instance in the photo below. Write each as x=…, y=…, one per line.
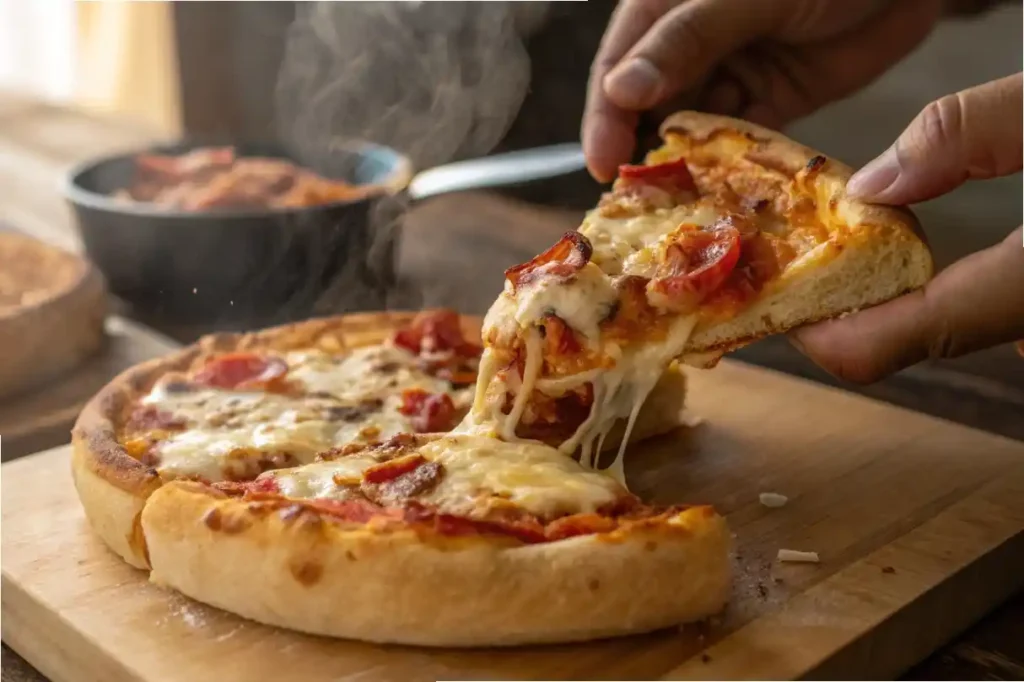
x=944, y=342
x=941, y=122
x=682, y=37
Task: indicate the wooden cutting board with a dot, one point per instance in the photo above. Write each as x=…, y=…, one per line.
x=919, y=524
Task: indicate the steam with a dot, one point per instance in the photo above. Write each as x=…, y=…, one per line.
x=437, y=81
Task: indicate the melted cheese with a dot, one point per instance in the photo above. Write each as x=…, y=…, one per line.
x=321, y=480
x=479, y=472
x=370, y=372
x=232, y=434
x=581, y=302
x=228, y=432
x=626, y=245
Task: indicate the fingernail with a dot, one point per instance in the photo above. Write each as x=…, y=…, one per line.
x=634, y=84
x=876, y=177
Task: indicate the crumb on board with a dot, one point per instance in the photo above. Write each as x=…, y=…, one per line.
x=773, y=500
x=888, y=569
x=705, y=658
x=778, y=580
x=797, y=556
x=762, y=590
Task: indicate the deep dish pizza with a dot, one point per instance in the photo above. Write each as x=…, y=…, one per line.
x=727, y=233
x=235, y=406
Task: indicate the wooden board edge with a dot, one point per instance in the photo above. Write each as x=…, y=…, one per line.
x=52, y=646
x=879, y=611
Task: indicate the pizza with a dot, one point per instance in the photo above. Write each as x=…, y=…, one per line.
x=237, y=405
x=727, y=233
x=440, y=540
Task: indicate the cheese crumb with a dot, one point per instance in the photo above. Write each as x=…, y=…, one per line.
x=773, y=500
x=796, y=556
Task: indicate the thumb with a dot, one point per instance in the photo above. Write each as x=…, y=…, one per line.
x=975, y=303
x=973, y=134
x=682, y=46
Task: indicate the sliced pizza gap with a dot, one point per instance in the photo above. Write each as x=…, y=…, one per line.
x=730, y=232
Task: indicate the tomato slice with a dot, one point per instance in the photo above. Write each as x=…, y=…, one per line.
x=563, y=260
x=428, y=412
x=242, y=370
x=674, y=175
x=696, y=263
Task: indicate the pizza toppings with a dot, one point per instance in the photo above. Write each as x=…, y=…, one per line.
x=243, y=371
x=696, y=263
x=428, y=412
x=672, y=175
x=393, y=468
x=563, y=260
x=435, y=331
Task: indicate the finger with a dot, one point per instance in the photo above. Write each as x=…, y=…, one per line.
x=608, y=131
x=976, y=303
x=685, y=44
x=973, y=134
x=782, y=83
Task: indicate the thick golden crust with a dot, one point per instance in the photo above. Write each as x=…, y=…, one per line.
x=877, y=254
x=113, y=486
x=52, y=306
x=303, y=572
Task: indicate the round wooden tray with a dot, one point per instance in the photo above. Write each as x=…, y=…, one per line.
x=52, y=306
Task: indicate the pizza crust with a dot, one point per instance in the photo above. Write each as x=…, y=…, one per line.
x=312, y=575
x=880, y=256
x=52, y=307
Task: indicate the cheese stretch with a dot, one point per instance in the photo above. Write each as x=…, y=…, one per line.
x=624, y=246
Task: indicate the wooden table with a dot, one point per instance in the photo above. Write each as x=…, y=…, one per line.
x=453, y=254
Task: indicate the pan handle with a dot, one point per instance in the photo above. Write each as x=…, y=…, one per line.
x=500, y=170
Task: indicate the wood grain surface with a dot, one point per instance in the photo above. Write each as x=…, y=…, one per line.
x=919, y=524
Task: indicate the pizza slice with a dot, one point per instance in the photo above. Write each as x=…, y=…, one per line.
x=726, y=234
x=234, y=406
x=456, y=540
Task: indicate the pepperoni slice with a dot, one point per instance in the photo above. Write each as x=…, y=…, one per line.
x=696, y=263
x=150, y=417
x=242, y=370
x=428, y=412
x=672, y=176
x=435, y=331
x=561, y=261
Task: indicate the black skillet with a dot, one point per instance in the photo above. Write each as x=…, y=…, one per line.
x=231, y=269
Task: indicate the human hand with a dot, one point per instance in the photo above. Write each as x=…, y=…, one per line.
x=975, y=303
x=767, y=61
